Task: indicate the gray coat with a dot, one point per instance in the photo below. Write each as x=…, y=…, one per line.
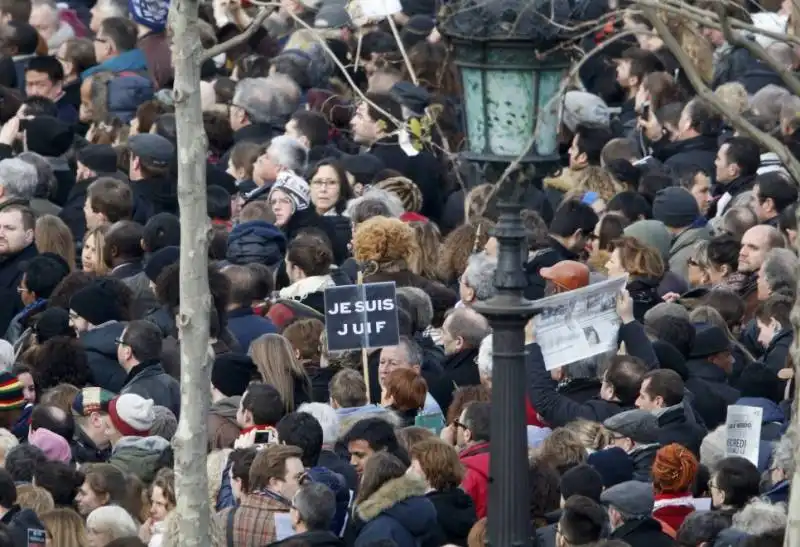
x=682, y=247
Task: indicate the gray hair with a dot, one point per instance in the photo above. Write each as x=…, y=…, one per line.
x=45, y=175
x=271, y=99
x=712, y=449
x=767, y=101
x=485, y=357
x=289, y=153
x=780, y=270
x=18, y=178
x=783, y=455
x=414, y=354
x=420, y=306
x=52, y=7
x=115, y=8
x=391, y=203
x=479, y=275
x=759, y=517
x=327, y=418
x=316, y=505
x=469, y=325
x=699, y=254
x=112, y=520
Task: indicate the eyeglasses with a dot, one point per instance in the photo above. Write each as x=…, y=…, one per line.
x=329, y=183
x=120, y=342
x=459, y=425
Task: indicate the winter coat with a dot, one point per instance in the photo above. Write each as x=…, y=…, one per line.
x=100, y=344
x=546, y=257
x=642, y=457
x=252, y=523
x=320, y=380
x=776, y=356
x=85, y=451
x=644, y=293
x=398, y=512
x=779, y=493
x=309, y=291
x=558, y=409
x=644, y=532
x=672, y=509
x=759, y=75
x=142, y=456
x=314, y=538
x=10, y=277
x=149, y=380
x=772, y=424
x=678, y=156
x=332, y=461
x=677, y=424
x=458, y=369
x=475, y=460
x=736, y=193
x=731, y=63
x=155, y=46
x=21, y=524
x=144, y=300
x=341, y=492
x=126, y=93
x=129, y=61
x=256, y=241
x=455, y=515
x=222, y=427
x=246, y=326
x=682, y=248
x=156, y=194
x=712, y=394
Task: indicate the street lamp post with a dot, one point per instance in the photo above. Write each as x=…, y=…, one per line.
x=509, y=115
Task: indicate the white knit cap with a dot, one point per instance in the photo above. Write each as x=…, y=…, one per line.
x=132, y=414
x=295, y=187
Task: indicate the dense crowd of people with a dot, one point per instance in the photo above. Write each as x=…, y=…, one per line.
x=310, y=184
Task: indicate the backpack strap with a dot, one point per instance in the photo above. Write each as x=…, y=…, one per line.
x=229, y=527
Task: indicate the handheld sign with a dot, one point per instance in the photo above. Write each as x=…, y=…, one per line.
x=743, y=432
x=361, y=316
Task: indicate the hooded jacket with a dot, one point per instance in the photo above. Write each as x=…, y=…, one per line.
x=399, y=512
x=682, y=247
x=475, y=460
x=129, y=61
x=700, y=151
x=222, y=427
x=142, y=456
x=101, y=353
x=256, y=241
x=455, y=513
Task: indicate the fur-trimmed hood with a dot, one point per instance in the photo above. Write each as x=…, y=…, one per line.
x=401, y=497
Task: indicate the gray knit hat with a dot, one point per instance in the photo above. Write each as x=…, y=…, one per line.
x=165, y=425
x=653, y=233
x=675, y=207
x=638, y=425
x=633, y=498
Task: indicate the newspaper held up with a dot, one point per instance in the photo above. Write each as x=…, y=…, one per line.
x=743, y=432
x=578, y=324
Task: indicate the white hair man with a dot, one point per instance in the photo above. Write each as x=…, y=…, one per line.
x=477, y=282
x=331, y=428
x=18, y=181
x=284, y=156
x=46, y=19
x=406, y=354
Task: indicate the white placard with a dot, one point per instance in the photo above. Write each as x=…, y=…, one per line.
x=378, y=9
x=702, y=504
x=743, y=432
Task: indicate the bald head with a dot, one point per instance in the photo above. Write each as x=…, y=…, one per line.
x=464, y=328
x=756, y=243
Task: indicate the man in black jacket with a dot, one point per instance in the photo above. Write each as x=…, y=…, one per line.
x=735, y=166
x=572, y=227
x=16, y=247
x=138, y=351
x=24, y=526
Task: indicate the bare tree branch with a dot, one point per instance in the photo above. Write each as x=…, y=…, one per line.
x=251, y=29
x=737, y=120
x=755, y=49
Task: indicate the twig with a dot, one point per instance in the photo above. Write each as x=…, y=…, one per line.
x=549, y=105
x=736, y=119
x=757, y=51
x=251, y=29
x=403, y=52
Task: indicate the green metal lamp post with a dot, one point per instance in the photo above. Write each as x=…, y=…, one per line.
x=508, y=92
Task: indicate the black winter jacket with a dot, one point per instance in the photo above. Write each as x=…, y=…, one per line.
x=149, y=380
x=101, y=353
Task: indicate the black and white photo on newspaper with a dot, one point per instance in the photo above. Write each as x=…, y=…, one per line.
x=578, y=324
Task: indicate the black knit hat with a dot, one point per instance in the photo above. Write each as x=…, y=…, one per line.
x=100, y=158
x=97, y=303
x=710, y=339
x=675, y=207
x=232, y=373
x=584, y=480
x=159, y=260
x=48, y=136
x=51, y=323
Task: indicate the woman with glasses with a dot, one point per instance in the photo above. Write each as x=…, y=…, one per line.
x=330, y=190
x=734, y=482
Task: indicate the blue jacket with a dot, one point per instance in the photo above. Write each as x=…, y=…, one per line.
x=256, y=241
x=246, y=326
x=126, y=94
x=336, y=483
x=398, y=512
x=778, y=493
x=129, y=61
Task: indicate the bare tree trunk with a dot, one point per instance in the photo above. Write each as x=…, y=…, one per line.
x=191, y=438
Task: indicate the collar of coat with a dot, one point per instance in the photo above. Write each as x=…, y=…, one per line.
x=391, y=493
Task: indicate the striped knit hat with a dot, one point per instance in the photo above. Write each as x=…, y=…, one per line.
x=404, y=188
x=11, y=396
x=91, y=399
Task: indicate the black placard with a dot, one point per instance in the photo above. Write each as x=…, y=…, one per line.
x=361, y=316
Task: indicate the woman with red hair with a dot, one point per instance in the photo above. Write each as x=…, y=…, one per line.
x=674, y=469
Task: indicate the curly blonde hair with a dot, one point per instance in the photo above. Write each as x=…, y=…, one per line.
x=734, y=95
x=384, y=240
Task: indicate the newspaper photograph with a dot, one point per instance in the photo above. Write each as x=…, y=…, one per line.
x=578, y=324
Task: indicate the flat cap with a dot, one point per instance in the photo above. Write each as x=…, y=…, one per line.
x=154, y=149
x=638, y=425
x=100, y=158
x=710, y=339
x=633, y=498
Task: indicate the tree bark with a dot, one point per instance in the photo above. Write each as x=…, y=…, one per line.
x=190, y=441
